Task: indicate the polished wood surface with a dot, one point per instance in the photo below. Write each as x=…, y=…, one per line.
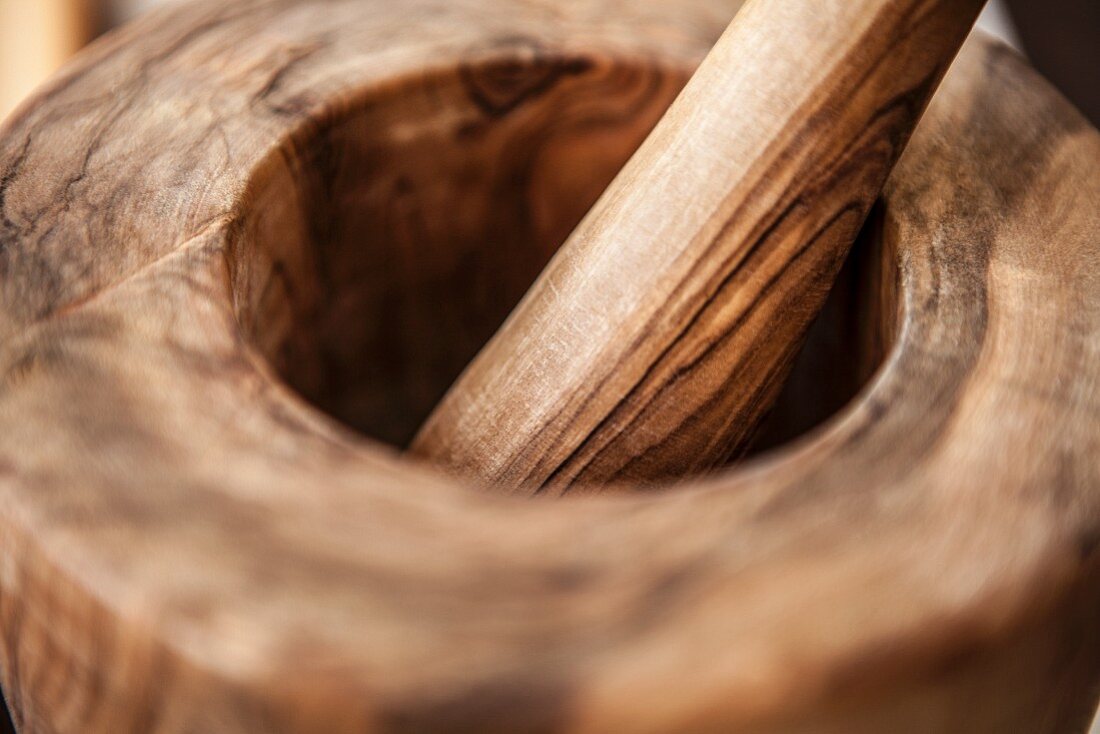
x=661, y=334
x=229, y=222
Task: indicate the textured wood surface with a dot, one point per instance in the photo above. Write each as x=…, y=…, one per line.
x=665, y=328
x=228, y=207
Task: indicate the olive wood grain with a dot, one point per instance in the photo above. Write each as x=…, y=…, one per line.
x=662, y=332
x=230, y=207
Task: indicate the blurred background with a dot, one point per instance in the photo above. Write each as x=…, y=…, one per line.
x=38, y=36
x=1060, y=37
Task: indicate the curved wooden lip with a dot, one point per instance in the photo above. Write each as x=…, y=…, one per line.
x=784, y=581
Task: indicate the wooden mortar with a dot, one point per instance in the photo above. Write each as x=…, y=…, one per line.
x=228, y=223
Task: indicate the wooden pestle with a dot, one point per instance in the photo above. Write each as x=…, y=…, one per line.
x=662, y=331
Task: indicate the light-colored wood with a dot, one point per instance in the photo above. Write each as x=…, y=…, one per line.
x=232, y=205
x=662, y=332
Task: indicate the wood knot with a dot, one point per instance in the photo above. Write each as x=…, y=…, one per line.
x=519, y=69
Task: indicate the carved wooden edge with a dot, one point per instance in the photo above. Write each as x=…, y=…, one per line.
x=187, y=546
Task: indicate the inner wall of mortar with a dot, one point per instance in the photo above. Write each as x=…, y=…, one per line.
x=382, y=249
